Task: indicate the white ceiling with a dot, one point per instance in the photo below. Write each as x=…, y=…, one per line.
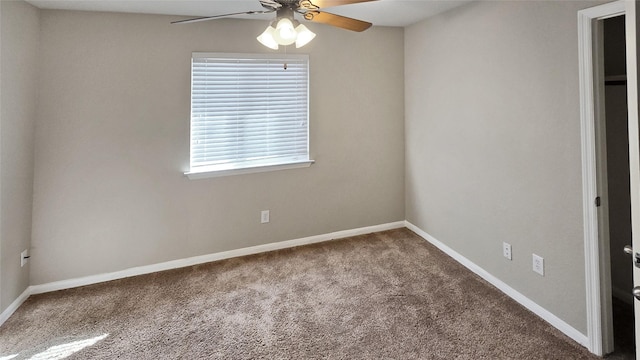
x=380, y=12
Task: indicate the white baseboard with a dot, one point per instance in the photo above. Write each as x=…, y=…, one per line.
x=6, y=314
x=555, y=321
x=141, y=270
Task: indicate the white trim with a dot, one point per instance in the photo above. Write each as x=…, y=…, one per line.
x=589, y=174
x=632, y=50
x=219, y=55
x=200, y=174
x=1, y=317
x=141, y=270
x=555, y=321
x=6, y=314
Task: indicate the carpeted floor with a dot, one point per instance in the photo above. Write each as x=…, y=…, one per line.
x=386, y=295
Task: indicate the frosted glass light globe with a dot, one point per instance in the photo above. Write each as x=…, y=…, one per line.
x=285, y=34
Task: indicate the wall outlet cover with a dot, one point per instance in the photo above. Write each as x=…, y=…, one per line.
x=506, y=250
x=538, y=264
x=264, y=216
x=24, y=258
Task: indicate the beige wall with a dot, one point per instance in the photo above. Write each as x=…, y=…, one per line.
x=18, y=71
x=113, y=141
x=493, y=143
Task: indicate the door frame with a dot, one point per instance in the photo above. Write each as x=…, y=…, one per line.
x=632, y=31
x=597, y=261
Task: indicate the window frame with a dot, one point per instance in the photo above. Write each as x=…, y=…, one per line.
x=237, y=168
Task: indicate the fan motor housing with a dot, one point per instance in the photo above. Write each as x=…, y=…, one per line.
x=279, y=4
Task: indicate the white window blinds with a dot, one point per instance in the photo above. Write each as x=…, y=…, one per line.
x=248, y=110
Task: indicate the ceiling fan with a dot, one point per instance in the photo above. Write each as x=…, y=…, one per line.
x=285, y=30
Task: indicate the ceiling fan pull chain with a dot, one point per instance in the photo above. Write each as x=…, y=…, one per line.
x=285, y=53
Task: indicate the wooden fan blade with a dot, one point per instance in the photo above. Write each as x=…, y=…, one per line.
x=205, y=18
x=337, y=20
x=331, y=3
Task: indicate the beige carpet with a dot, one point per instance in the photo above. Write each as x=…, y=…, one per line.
x=386, y=295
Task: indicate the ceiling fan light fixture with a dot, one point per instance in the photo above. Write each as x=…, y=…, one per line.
x=304, y=36
x=267, y=38
x=285, y=33
x=285, y=30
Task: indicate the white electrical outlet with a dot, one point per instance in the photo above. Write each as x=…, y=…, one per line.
x=538, y=264
x=24, y=258
x=506, y=250
x=264, y=216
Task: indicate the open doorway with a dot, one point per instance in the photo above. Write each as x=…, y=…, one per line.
x=618, y=186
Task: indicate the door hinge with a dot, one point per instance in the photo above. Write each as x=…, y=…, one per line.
x=598, y=201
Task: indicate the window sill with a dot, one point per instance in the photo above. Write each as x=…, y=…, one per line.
x=204, y=174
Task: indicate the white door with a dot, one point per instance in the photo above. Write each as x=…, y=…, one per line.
x=632, y=31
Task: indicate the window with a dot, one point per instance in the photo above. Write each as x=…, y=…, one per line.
x=249, y=113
